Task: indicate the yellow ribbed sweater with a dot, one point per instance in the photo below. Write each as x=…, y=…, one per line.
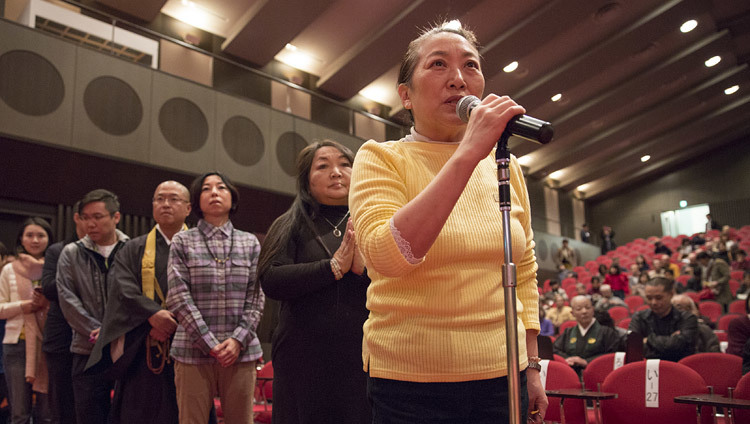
x=441, y=320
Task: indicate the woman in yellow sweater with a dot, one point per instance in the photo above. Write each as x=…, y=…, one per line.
x=426, y=214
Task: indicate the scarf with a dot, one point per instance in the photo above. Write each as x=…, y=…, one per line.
x=29, y=269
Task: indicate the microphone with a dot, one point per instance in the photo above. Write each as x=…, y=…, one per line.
x=523, y=126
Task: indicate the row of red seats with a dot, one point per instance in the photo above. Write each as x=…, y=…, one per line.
x=695, y=374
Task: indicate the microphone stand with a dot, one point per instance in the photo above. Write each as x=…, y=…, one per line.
x=502, y=158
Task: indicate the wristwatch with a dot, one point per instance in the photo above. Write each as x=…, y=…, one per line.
x=534, y=364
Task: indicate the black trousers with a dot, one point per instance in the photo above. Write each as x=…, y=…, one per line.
x=92, y=392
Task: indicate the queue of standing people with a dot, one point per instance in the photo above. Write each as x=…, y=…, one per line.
x=387, y=269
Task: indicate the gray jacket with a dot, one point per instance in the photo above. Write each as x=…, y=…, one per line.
x=82, y=288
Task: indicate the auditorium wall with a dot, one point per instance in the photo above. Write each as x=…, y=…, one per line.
x=720, y=178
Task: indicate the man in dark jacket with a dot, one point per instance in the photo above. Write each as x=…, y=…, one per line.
x=82, y=294
x=668, y=333
x=136, y=325
x=58, y=334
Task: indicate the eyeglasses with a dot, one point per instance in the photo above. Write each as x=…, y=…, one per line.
x=159, y=200
x=95, y=217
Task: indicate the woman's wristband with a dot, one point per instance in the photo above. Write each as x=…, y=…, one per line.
x=336, y=268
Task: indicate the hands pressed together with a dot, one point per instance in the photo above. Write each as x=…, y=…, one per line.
x=348, y=255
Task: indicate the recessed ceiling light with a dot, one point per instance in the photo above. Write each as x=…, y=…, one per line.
x=454, y=24
x=683, y=203
x=511, y=67
x=525, y=160
x=731, y=90
x=556, y=97
x=713, y=61
x=689, y=26
x=645, y=158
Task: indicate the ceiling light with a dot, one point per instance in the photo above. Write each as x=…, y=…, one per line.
x=731, y=90
x=454, y=24
x=689, y=26
x=377, y=93
x=511, y=67
x=557, y=174
x=645, y=158
x=556, y=97
x=683, y=203
x=525, y=160
x=297, y=58
x=713, y=61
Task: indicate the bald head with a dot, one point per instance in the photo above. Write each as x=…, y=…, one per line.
x=684, y=303
x=583, y=310
x=171, y=206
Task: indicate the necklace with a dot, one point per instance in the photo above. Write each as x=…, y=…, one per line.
x=231, y=244
x=336, y=231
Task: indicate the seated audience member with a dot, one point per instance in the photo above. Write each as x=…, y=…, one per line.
x=668, y=265
x=668, y=333
x=633, y=273
x=547, y=328
x=716, y=275
x=581, y=290
x=741, y=262
x=594, y=291
x=554, y=291
x=720, y=251
x=739, y=331
x=660, y=248
x=566, y=256
x=657, y=269
x=559, y=313
x=605, y=320
x=617, y=281
x=603, y=271
x=563, y=273
x=639, y=288
x=744, y=285
x=640, y=260
x=608, y=299
x=699, y=239
x=685, y=248
x=586, y=341
x=746, y=358
x=707, y=340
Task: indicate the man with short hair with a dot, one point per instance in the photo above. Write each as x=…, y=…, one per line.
x=668, y=333
x=588, y=340
x=608, y=299
x=58, y=334
x=136, y=325
x=82, y=293
x=706, y=340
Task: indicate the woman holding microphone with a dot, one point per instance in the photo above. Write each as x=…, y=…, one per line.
x=427, y=222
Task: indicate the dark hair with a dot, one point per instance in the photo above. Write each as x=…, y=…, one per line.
x=3, y=250
x=603, y=318
x=552, y=282
x=597, y=278
x=411, y=57
x=667, y=285
x=702, y=255
x=34, y=220
x=304, y=203
x=110, y=200
x=197, y=185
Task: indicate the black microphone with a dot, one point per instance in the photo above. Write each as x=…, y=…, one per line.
x=523, y=126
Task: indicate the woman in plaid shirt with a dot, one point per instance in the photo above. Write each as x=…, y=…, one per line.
x=214, y=295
